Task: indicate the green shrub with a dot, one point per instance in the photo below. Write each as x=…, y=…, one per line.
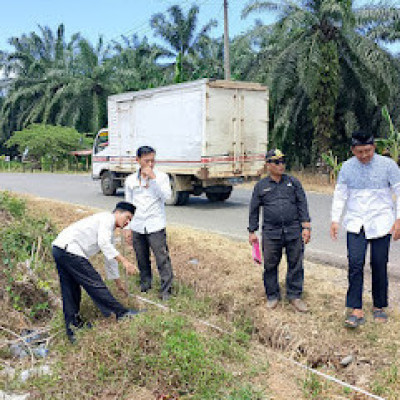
x=12, y=204
x=25, y=241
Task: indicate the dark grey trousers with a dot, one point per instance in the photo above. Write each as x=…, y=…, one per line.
x=272, y=251
x=157, y=242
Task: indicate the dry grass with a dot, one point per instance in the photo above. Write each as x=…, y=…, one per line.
x=226, y=280
x=317, y=337
x=311, y=182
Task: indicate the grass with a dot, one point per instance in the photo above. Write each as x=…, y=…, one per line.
x=163, y=353
x=18, y=166
x=170, y=353
x=25, y=242
x=312, y=387
x=312, y=182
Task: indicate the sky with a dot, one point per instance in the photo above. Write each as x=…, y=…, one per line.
x=113, y=18
x=110, y=18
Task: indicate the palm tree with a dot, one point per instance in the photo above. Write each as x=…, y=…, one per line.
x=92, y=80
x=40, y=65
x=325, y=62
x=58, y=82
x=207, y=60
x=180, y=34
x=137, y=63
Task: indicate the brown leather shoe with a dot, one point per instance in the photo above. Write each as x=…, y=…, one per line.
x=299, y=305
x=272, y=303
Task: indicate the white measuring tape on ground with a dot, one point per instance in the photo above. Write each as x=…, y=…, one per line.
x=332, y=379
x=280, y=356
x=286, y=359
x=165, y=308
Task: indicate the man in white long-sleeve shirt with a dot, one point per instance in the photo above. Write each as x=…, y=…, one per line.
x=71, y=250
x=365, y=186
x=147, y=190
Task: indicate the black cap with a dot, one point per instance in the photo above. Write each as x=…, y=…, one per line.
x=274, y=154
x=361, y=138
x=125, y=206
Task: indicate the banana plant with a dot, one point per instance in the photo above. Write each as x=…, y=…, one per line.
x=332, y=162
x=391, y=144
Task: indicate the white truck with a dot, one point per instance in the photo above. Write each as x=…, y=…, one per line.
x=208, y=134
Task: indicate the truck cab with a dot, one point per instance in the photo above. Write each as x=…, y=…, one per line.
x=101, y=163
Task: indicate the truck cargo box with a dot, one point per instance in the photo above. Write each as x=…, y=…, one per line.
x=207, y=130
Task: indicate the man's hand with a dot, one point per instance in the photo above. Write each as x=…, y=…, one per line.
x=147, y=172
x=334, y=230
x=121, y=287
x=253, y=238
x=395, y=231
x=130, y=267
x=306, y=235
x=127, y=236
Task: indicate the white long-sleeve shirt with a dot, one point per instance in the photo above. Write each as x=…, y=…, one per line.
x=89, y=236
x=149, y=201
x=366, y=190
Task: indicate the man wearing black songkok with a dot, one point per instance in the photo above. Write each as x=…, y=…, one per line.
x=71, y=251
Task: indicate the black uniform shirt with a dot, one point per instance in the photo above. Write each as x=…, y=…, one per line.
x=284, y=206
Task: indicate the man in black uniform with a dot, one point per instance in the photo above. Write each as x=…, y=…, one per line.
x=286, y=224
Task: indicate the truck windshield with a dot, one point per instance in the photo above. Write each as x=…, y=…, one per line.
x=101, y=141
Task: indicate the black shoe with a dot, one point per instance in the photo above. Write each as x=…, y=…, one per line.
x=71, y=337
x=79, y=323
x=165, y=296
x=130, y=314
x=145, y=288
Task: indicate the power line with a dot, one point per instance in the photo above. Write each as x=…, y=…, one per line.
x=142, y=29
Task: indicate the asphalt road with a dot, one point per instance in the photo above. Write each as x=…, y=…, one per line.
x=229, y=218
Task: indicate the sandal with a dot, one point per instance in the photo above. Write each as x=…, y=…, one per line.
x=352, y=321
x=379, y=314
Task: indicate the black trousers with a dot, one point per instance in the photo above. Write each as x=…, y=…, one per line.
x=272, y=251
x=356, y=250
x=75, y=271
x=157, y=242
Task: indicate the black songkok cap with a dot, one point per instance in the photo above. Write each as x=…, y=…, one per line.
x=361, y=138
x=125, y=206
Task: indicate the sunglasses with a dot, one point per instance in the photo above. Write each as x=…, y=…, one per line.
x=277, y=162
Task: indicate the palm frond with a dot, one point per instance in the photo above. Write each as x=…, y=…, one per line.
x=284, y=7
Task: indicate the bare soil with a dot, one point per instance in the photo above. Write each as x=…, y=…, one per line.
x=221, y=269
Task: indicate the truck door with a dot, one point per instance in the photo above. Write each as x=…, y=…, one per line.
x=237, y=130
x=125, y=128
x=224, y=145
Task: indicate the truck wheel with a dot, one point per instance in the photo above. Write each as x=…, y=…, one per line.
x=213, y=197
x=178, y=198
x=218, y=196
x=183, y=198
x=224, y=196
x=108, y=183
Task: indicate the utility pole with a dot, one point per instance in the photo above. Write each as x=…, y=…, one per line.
x=227, y=64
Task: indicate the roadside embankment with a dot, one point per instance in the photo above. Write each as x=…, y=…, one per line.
x=169, y=353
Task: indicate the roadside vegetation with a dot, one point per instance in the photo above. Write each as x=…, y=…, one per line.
x=26, y=262
x=171, y=352
x=46, y=147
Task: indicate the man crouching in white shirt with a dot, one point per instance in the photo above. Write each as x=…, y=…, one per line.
x=147, y=190
x=365, y=185
x=71, y=250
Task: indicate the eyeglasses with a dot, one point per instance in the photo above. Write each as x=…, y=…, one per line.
x=277, y=162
